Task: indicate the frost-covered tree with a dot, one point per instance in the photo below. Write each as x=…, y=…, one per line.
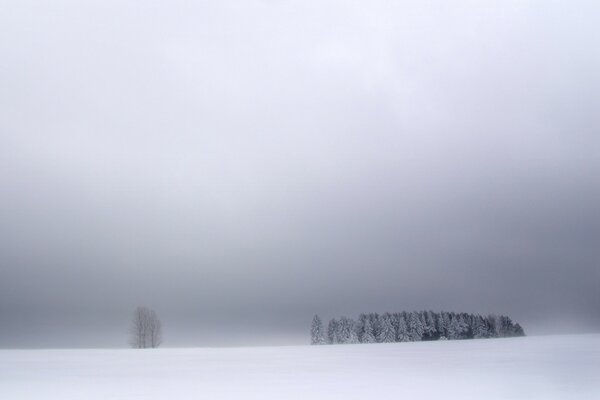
x=518, y=330
x=415, y=327
x=457, y=329
x=429, y=328
x=360, y=327
x=494, y=325
x=395, y=320
x=347, y=332
x=338, y=333
x=368, y=336
x=316, y=331
x=505, y=326
x=480, y=328
x=443, y=321
x=386, y=329
x=374, y=318
x=402, y=329
x=332, y=328
x=468, y=319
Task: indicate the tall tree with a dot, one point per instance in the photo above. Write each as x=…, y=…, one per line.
x=154, y=330
x=430, y=330
x=374, y=318
x=347, y=331
x=368, y=336
x=360, y=327
x=443, y=321
x=331, y=331
x=518, y=330
x=402, y=330
x=386, y=329
x=480, y=328
x=146, y=329
x=316, y=331
x=457, y=328
x=415, y=327
x=494, y=324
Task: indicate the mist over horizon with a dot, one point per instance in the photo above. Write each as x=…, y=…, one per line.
x=242, y=166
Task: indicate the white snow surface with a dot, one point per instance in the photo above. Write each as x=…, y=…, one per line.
x=545, y=367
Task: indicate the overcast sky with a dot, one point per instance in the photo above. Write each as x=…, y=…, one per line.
x=240, y=166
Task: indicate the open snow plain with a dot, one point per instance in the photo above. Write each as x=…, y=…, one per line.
x=551, y=367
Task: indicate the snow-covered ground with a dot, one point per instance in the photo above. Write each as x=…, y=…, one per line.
x=552, y=367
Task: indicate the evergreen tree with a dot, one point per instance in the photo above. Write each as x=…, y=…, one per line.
x=331, y=331
x=374, y=318
x=338, y=334
x=368, y=336
x=480, y=328
x=508, y=328
x=443, y=323
x=347, y=332
x=518, y=330
x=457, y=328
x=494, y=325
x=469, y=321
x=386, y=329
x=502, y=326
x=429, y=329
x=415, y=327
x=360, y=327
x=316, y=331
x=402, y=330
x=395, y=323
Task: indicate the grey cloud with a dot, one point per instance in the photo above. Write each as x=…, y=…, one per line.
x=241, y=166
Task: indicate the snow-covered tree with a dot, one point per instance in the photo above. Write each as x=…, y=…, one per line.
x=368, y=336
x=429, y=328
x=386, y=329
x=316, y=331
x=374, y=318
x=505, y=326
x=415, y=327
x=468, y=319
x=443, y=321
x=508, y=328
x=518, y=330
x=457, y=329
x=360, y=327
x=480, y=328
x=338, y=333
x=332, y=328
x=494, y=325
x=346, y=331
x=402, y=329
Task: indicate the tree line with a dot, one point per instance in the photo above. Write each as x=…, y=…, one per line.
x=412, y=327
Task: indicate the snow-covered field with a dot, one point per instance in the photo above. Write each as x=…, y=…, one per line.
x=552, y=367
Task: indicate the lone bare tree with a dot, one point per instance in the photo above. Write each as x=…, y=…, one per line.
x=146, y=329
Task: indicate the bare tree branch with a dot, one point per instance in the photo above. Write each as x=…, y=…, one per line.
x=146, y=329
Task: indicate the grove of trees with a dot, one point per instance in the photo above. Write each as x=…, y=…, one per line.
x=146, y=329
x=412, y=327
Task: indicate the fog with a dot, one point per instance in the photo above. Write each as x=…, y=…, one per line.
x=241, y=166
